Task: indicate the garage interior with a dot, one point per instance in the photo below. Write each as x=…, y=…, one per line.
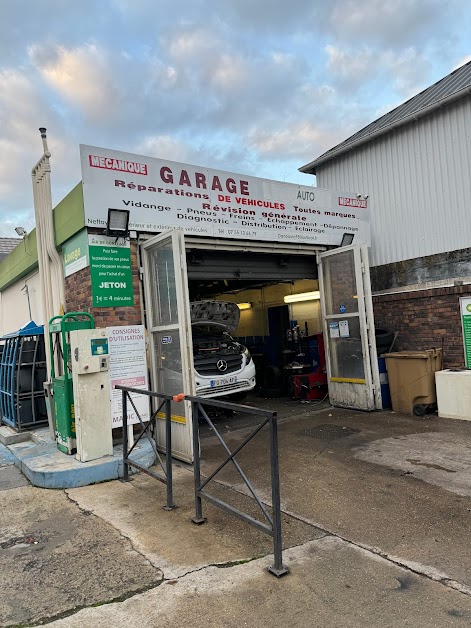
x=284, y=339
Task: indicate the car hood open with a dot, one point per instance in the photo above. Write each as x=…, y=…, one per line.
x=218, y=312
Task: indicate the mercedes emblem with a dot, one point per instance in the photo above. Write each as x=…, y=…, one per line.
x=222, y=365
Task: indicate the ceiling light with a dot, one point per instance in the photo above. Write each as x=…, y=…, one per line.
x=302, y=296
x=244, y=306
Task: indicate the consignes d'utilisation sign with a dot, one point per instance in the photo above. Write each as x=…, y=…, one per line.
x=128, y=367
x=110, y=271
x=161, y=194
x=465, y=306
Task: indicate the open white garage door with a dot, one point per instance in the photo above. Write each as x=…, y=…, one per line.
x=170, y=342
x=349, y=331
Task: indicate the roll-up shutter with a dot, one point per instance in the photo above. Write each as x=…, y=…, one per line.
x=248, y=266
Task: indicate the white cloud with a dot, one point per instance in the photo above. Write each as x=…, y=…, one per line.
x=300, y=140
x=351, y=66
x=353, y=69
x=408, y=70
x=394, y=23
x=462, y=61
x=165, y=147
x=81, y=76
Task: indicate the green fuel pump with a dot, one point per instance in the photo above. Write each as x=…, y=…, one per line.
x=61, y=375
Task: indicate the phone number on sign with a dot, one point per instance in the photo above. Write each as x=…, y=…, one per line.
x=237, y=232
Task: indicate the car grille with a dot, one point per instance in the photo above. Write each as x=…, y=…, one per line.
x=206, y=364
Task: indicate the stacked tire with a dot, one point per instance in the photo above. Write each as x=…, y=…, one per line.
x=384, y=338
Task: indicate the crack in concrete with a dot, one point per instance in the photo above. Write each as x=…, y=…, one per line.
x=416, y=568
x=87, y=513
x=121, y=598
x=72, y=611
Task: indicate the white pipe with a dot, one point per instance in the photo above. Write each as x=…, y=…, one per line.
x=49, y=235
x=44, y=276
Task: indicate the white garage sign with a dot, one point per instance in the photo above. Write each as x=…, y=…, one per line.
x=162, y=194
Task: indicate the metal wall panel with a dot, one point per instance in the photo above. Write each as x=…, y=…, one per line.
x=419, y=183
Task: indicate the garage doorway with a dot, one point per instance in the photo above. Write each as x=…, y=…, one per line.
x=285, y=316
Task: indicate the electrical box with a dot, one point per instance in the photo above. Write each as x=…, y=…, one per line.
x=90, y=364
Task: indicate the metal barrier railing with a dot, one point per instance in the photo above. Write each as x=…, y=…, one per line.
x=273, y=527
x=166, y=478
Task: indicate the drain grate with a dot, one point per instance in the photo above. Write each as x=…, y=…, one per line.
x=329, y=432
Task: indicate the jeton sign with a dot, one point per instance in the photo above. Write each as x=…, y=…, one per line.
x=110, y=271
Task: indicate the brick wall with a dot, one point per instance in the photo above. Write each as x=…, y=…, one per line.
x=425, y=319
x=78, y=296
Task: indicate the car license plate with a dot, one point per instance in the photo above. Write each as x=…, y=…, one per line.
x=224, y=381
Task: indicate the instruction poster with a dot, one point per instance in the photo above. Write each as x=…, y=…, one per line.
x=334, y=329
x=465, y=305
x=128, y=367
x=344, y=332
x=110, y=271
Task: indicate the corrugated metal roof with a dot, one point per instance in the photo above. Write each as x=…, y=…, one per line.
x=7, y=245
x=454, y=83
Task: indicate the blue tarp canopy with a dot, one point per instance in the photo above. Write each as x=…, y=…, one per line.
x=30, y=329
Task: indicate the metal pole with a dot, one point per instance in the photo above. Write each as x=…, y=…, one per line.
x=198, y=518
x=125, y=477
x=278, y=569
x=168, y=454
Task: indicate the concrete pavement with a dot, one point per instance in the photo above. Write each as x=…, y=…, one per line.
x=373, y=535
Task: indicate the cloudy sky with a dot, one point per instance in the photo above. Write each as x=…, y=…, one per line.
x=258, y=87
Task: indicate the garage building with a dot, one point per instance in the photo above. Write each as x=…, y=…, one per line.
x=415, y=163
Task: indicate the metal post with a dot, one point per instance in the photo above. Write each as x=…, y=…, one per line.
x=125, y=477
x=168, y=454
x=198, y=518
x=278, y=569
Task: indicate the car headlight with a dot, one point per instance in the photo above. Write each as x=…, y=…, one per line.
x=246, y=352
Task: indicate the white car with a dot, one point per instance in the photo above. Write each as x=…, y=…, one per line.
x=222, y=365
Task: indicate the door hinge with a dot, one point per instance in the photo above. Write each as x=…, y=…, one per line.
x=141, y=273
x=362, y=267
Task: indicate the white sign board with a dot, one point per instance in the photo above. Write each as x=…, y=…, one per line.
x=128, y=367
x=161, y=194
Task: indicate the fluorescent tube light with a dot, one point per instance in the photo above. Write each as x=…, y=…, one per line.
x=302, y=296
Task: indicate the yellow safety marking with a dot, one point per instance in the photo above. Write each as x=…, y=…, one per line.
x=175, y=418
x=348, y=380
